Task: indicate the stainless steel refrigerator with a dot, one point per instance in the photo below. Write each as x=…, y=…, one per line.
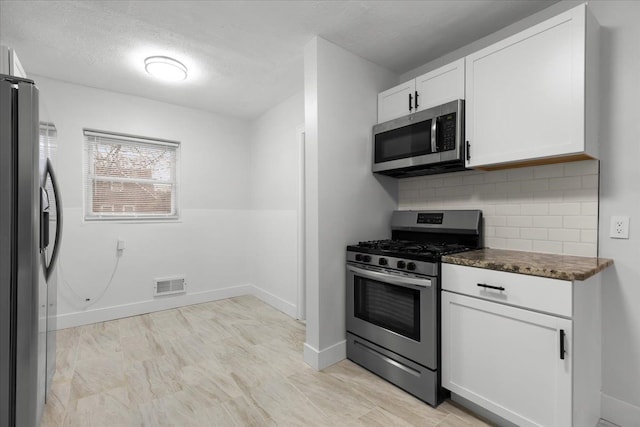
x=30, y=233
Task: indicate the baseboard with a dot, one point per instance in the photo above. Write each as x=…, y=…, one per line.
x=161, y=303
x=619, y=412
x=321, y=359
x=274, y=301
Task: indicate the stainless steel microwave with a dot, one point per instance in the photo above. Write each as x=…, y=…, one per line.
x=427, y=142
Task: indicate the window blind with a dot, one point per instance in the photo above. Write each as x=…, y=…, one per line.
x=129, y=177
x=48, y=136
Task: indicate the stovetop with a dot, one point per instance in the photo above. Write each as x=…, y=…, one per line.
x=426, y=251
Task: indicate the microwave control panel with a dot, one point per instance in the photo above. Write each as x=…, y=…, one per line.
x=448, y=132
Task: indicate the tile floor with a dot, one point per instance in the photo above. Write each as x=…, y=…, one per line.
x=234, y=362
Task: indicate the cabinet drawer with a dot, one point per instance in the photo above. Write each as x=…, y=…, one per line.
x=535, y=293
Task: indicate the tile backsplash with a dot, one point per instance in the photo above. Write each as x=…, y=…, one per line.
x=550, y=208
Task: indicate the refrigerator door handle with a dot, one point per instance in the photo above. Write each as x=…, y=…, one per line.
x=56, y=243
x=44, y=218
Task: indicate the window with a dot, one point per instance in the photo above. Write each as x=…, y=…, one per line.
x=128, y=177
x=48, y=137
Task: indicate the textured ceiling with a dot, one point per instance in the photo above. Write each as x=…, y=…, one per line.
x=243, y=56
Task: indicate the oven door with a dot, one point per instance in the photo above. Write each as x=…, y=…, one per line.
x=396, y=312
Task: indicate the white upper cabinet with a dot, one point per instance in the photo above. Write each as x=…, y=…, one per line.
x=441, y=85
x=396, y=102
x=436, y=87
x=528, y=96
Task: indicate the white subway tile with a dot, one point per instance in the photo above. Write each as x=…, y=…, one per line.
x=506, y=209
x=565, y=183
x=548, y=196
x=427, y=193
x=489, y=231
x=580, y=249
x=535, y=185
x=490, y=198
x=547, y=221
x=590, y=181
x=520, y=174
x=413, y=183
x=473, y=179
x=485, y=188
x=450, y=181
x=519, y=221
x=495, y=243
x=565, y=235
x=589, y=208
x=409, y=195
x=462, y=190
x=498, y=221
x=519, y=244
x=534, y=233
x=508, y=232
x=434, y=182
x=589, y=236
x=535, y=209
x=508, y=187
x=586, y=195
x=495, y=176
x=548, y=247
x=548, y=171
x=582, y=222
x=443, y=191
x=585, y=167
x=564, y=208
x=489, y=211
x=520, y=198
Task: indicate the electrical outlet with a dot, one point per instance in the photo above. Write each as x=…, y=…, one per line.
x=121, y=245
x=619, y=227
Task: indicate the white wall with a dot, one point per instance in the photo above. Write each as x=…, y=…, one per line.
x=619, y=194
x=345, y=202
x=208, y=242
x=272, y=253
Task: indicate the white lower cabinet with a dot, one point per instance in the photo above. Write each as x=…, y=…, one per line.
x=507, y=360
x=530, y=367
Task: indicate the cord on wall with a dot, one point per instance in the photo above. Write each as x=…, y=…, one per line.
x=92, y=301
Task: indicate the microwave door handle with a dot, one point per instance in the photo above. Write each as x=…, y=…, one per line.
x=395, y=280
x=434, y=132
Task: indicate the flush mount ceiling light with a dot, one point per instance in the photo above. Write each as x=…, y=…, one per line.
x=165, y=68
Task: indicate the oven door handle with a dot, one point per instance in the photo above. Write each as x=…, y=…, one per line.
x=389, y=278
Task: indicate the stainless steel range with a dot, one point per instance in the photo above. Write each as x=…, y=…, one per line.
x=393, y=296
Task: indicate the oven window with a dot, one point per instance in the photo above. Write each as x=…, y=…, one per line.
x=407, y=141
x=395, y=308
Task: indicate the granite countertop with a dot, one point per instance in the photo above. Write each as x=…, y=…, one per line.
x=563, y=267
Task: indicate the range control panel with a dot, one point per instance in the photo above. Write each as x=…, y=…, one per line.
x=430, y=218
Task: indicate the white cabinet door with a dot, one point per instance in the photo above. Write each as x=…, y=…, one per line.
x=396, y=102
x=441, y=85
x=507, y=360
x=525, y=95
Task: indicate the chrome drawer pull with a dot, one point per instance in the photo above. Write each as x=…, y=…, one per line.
x=497, y=288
